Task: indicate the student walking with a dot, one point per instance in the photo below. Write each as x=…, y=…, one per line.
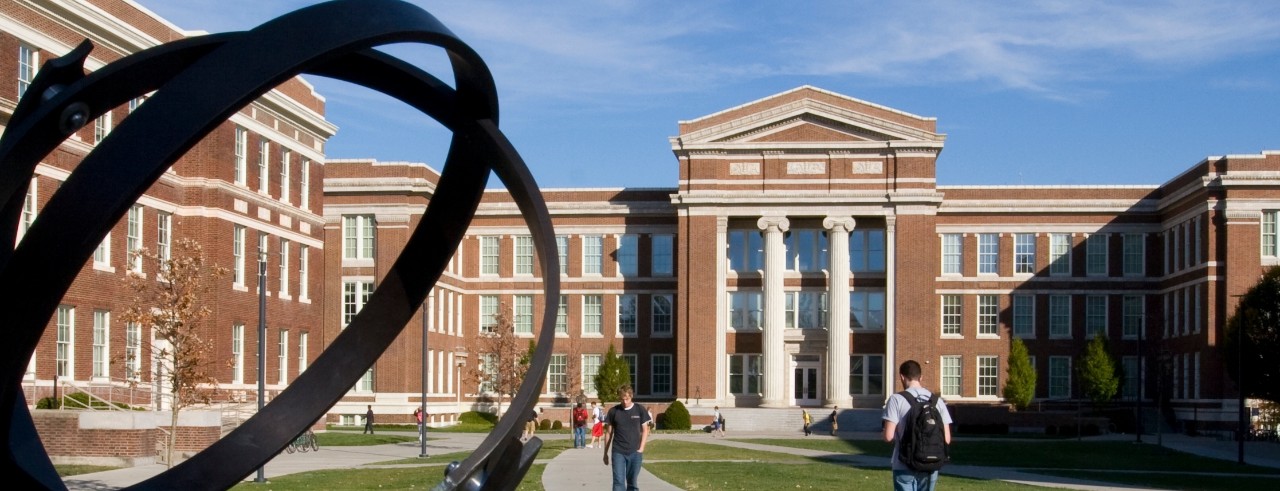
x=897, y=423
x=627, y=430
x=368, y=421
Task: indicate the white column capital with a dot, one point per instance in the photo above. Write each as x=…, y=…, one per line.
x=832, y=223
x=769, y=223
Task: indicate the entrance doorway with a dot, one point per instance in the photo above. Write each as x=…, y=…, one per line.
x=804, y=383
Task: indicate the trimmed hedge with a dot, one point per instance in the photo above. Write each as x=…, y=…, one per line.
x=675, y=418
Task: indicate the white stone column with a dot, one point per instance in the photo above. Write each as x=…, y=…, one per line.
x=890, y=307
x=721, y=394
x=775, y=261
x=838, y=308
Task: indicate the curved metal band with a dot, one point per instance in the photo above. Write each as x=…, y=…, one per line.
x=99, y=192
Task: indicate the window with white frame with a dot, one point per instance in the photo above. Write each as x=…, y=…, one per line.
x=237, y=253
x=662, y=252
x=628, y=249
x=101, y=127
x=660, y=382
x=304, y=279
x=358, y=236
x=951, y=376
x=1024, y=253
x=1269, y=243
x=101, y=349
x=627, y=315
x=592, y=254
x=237, y=353
x=28, y=64
x=1059, y=316
x=135, y=102
x=988, y=376
x=355, y=293
x=562, y=251
x=1134, y=315
x=284, y=268
x=866, y=251
x=557, y=374
x=1129, y=388
x=746, y=251
x=65, y=342
x=745, y=310
x=133, y=238
x=562, y=316
x=1024, y=315
x=29, y=205
x=662, y=314
x=744, y=374
x=102, y=254
x=952, y=250
x=988, y=253
x=590, y=368
x=164, y=239
x=1060, y=254
x=952, y=310
x=1096, y=255
x=242, y=155
x=522, y=315
x=1059, y=377
x=988, y=311
x=489, y=255
x=524, y=254
x=866, y=375
x=133, y=351
x=1135, y=255
x=1095, y=315
x=866, y=309
x=302, y=351
x=632, y=369
x=365, y=384
x=285, y=184
x=304, y=183
x=264, y=165
x=806, y=250
x=592, y=314
x=488, y=313
x=282, y=358
x=806, y=310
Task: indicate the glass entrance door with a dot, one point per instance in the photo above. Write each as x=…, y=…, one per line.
x=805, y=385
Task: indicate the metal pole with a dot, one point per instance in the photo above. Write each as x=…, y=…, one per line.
x=1240, y=379
x=262, y=339
x=422, y=428
x=1142, y=327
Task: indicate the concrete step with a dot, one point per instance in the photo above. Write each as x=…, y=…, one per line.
x=790, y=419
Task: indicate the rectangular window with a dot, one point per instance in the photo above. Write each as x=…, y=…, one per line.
x=662, y=255
x=524, y=254
x=102, y=255
x=357, y=236
x=164, y=238
x=562, y=250
x=988, y=310
x=522, y=318
x=1060, y=254
x=28, y=63
x=592, y=314
x=237, y=253
x=365, y=384
x=284, y=268
x=806, y=250
x=65, y=341
x=590, y=368
x=1129, y=388
x=592, y=254
x=866, y=375
x=282, y=358
x=1059, y=316
x=628, y=248
x=661, y=382
x=1134, y=315
x=242, y=155
x=866, y=251
x=806, y=310
x=1135, y=255
x=988, y=376
x=1269, y=220
x=562, y=316
x=302, y=351
x=488, y=312
x=1059, y=377
x=133, y=351
x=101, y=350
x=1096, y=255
x=29, y=205
x=1095, y=315
x=1024, y=312
x=745, y=310
x=746, y=251
x=866, y=310
x=632, y=369
x=133, y=238
x=951, y=376
x=237, y=353
x=952, y=249
x=101, y=127
x=951, y=315
x=264, y=165
x=1024, y=253
x=744, y=374
x=557, y=374
x=354, y=296
x=304, y=183
x=662, y=315
x=304, y=260
x=988, y=254
x=285, y=186
x=489, y=255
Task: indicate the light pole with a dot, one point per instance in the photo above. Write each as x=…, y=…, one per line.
x=1142, y=327
x=262, y=333
x=422, y=427
x=1244, y=321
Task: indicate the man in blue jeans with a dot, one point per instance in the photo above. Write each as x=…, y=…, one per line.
x=895, y=409
x=626, y=430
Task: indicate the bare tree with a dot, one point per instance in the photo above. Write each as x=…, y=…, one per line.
x=503, y=362
x=172, y=305
x=573, y=372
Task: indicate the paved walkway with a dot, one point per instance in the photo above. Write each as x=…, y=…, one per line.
x=584, y=468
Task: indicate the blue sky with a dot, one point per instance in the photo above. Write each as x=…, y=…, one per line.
x=1038, y=92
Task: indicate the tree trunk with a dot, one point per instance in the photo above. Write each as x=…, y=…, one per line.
x=173, y=434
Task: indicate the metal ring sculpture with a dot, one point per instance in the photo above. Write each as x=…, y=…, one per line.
x=199, y=83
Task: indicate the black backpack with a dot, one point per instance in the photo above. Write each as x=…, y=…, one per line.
x=923, y=447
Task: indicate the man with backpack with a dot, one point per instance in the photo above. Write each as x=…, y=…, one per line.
x=579, y=426
x=916, y=421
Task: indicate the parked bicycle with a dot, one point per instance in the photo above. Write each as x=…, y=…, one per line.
x=304, y=442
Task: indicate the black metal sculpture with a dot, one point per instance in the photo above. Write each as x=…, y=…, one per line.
x=198, y=83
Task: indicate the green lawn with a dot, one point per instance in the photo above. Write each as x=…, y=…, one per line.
x=71, y=470
x=343, y=439
x=1174, y=480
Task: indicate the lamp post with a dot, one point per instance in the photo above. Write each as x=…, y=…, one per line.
x=262, y=333
x=422, y=427
x=1142, y=327
x=1240, y=430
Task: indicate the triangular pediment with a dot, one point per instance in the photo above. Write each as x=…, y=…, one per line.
x=807, y=128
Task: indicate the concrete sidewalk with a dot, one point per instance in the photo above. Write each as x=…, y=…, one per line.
x=584, y=468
